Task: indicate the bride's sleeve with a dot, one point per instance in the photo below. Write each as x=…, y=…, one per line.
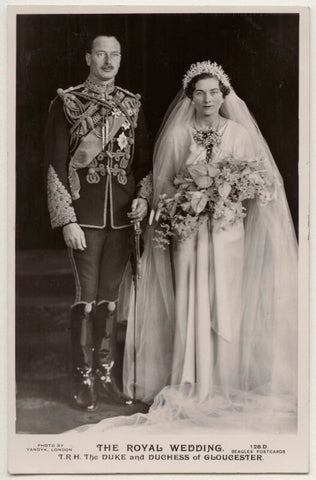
x=245, y=150
x=243, y=146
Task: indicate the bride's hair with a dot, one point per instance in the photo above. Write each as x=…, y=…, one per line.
x=191, y=85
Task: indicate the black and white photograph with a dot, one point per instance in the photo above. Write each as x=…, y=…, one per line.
x=159, y=321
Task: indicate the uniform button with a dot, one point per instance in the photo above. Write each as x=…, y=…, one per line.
x=92, y=170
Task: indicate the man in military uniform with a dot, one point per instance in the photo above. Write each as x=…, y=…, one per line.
x=98, y=164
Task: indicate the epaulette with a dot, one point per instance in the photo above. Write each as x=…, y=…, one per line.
x=61, y=92
x=70, y=89
x=130, y=94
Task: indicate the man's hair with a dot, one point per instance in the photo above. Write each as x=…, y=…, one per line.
x=90, y=40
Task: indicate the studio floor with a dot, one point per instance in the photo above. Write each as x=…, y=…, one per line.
x=44, y=293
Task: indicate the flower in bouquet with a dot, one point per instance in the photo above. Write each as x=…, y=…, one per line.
x=237, y=181
x=211, y=191
x=179, y=216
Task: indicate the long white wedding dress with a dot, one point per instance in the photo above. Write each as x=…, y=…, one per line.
x=216, y=333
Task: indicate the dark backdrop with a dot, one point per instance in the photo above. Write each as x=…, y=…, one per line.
x=258, y=51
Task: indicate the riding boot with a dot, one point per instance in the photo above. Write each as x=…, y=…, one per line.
x=105, y=324
x=82, y=356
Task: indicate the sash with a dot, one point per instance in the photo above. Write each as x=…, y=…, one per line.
x=90, y=146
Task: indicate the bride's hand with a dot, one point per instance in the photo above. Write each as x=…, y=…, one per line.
x=154, y=215
x=151, y=216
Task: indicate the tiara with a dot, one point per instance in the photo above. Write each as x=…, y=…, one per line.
x=205, y=67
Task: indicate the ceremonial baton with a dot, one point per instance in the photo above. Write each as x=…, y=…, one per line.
x=137, y=276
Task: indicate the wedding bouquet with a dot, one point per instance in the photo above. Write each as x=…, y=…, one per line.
x=210, y=191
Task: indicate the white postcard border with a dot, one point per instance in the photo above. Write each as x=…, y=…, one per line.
x=303, y=210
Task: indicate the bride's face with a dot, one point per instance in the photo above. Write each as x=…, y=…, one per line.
x=207, y=97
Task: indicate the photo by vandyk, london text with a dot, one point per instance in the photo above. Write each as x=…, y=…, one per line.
x=160, y=163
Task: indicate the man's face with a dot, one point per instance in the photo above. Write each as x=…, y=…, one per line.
x=105, y=58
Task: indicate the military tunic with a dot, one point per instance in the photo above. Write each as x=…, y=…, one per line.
x=96, y=151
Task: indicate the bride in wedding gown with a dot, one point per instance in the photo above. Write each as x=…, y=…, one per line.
x=216, y=332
